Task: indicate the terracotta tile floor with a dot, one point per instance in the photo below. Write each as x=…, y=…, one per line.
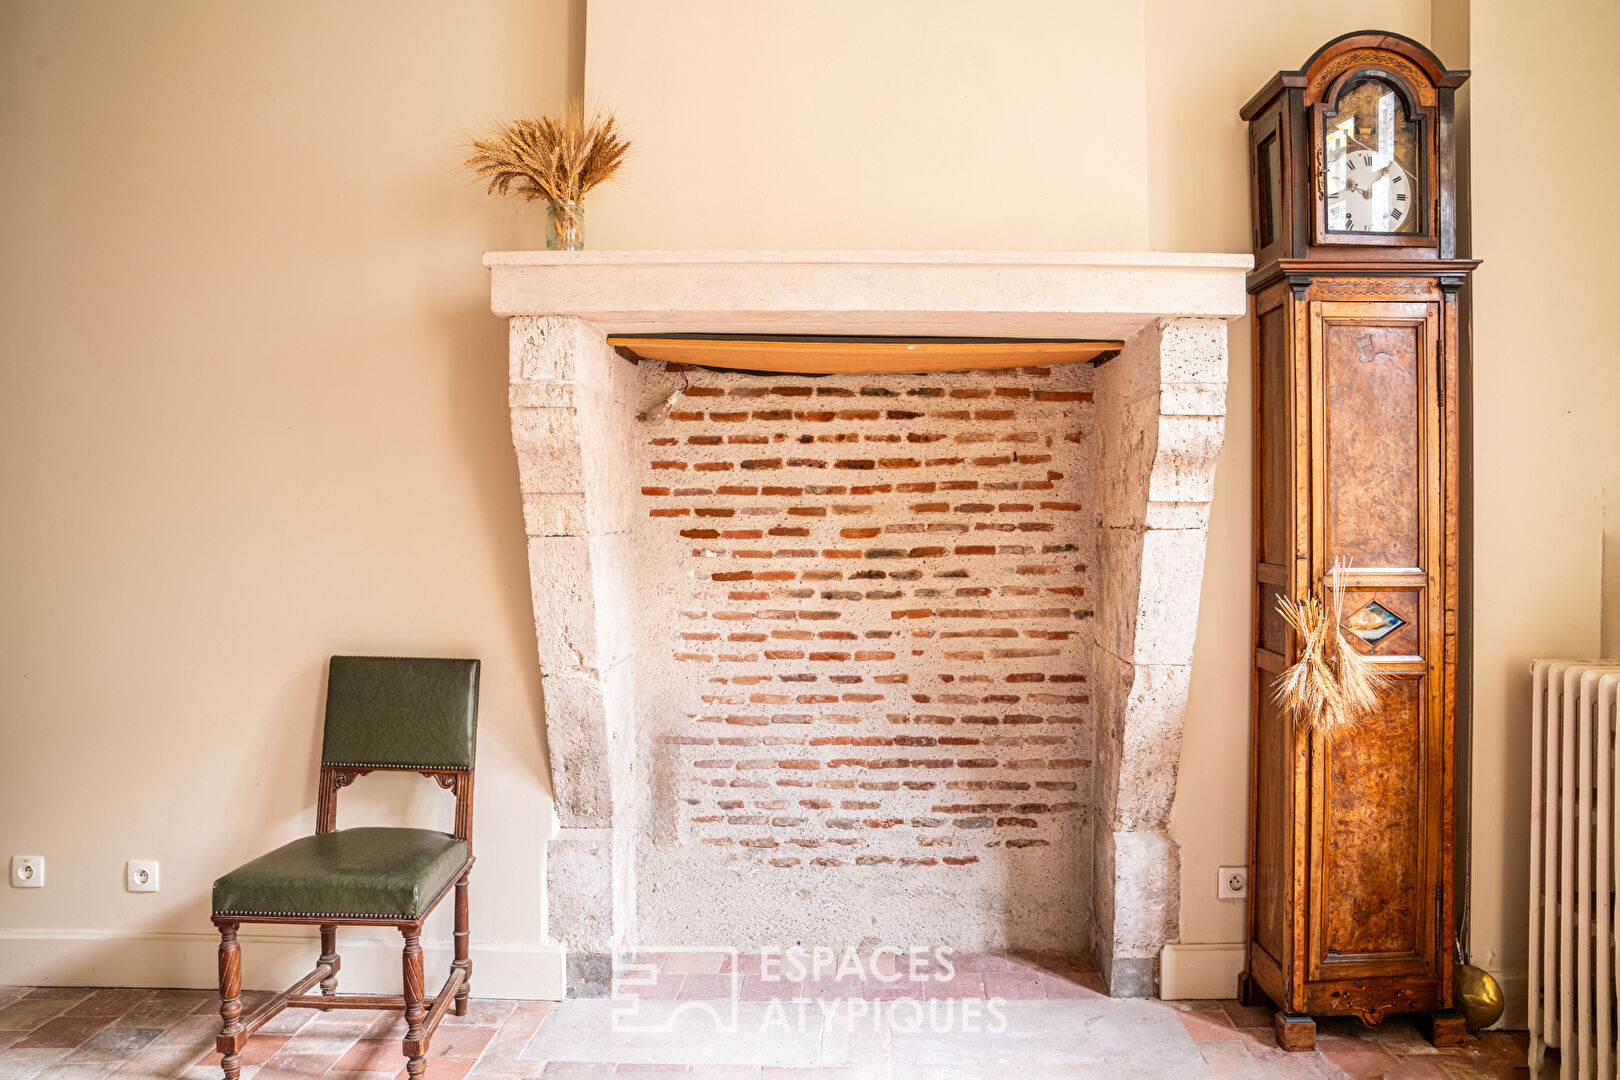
x=1048, y=1018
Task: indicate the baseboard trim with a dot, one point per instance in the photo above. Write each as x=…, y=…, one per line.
x=1188, y=972
x=371, y=961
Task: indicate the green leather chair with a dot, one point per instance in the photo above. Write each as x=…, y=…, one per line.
x=382, y=713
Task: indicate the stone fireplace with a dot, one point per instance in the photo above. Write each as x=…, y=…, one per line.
x=866, y=659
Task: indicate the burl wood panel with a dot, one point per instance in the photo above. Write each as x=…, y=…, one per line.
x=1274, y=815
x=1374, y=443
x=1374, y=901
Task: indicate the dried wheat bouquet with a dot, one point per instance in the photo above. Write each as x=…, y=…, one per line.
x=1331, y=686
x=551, y=158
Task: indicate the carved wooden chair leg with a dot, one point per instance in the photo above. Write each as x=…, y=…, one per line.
x=415, y=1010
x=329, y=956
x=231, y=1036
x=463, y=959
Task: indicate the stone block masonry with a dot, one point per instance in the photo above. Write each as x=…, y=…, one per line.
x=863, y=629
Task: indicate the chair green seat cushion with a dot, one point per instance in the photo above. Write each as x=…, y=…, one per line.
x=368, y=873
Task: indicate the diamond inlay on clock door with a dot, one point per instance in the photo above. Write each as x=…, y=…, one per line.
x=1374, y=622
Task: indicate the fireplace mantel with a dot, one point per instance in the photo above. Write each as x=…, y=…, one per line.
x=1071, y=294
x=1153, y=421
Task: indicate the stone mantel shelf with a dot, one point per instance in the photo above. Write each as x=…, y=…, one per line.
x=1054, y=294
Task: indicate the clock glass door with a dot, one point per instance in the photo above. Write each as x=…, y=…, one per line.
x=1372, y=182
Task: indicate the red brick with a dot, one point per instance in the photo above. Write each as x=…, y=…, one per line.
x=899, y=587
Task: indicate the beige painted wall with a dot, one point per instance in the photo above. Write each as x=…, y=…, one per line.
x=1546, y=447
x=252, y=412
x=844, y=123
x=252, y=403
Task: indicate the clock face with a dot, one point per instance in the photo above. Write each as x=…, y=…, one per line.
x=1369, y=192
x=1370, y=154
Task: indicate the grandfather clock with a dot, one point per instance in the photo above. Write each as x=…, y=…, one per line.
x=1354, y=297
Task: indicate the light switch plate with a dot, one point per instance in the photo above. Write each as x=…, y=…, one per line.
x=28, y=871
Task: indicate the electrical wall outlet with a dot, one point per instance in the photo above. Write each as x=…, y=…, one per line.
x=28, y=871
x=141, y=875
x=1232, y=883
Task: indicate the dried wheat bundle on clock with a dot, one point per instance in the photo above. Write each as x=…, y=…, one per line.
x=1331, y=686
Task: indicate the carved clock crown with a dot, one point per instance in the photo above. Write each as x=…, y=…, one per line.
x=1353, y=156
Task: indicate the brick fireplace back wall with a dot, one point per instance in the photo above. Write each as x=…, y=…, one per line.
x=863, y=627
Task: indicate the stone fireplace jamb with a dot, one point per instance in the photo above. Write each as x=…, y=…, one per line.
x=572, y=411
x=1161, y=407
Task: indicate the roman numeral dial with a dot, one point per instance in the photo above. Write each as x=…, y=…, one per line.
x=1368, y=192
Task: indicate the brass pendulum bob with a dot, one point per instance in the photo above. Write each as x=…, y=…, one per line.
x=1479, y=996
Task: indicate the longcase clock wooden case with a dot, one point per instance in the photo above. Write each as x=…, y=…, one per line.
x=1354, y=299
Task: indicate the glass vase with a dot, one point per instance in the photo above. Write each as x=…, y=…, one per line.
x=565, y=225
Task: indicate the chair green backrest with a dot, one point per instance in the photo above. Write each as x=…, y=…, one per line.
x=391, y=712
